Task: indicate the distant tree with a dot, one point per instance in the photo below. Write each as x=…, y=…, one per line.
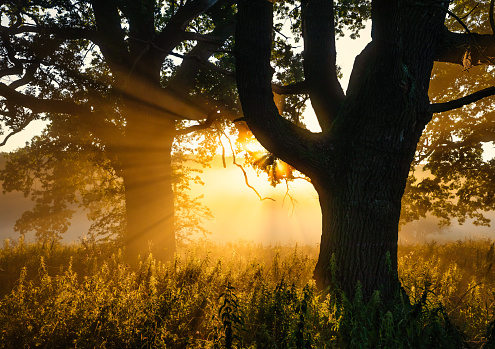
x=102, y=73
x=360, y=162
x=61, y=179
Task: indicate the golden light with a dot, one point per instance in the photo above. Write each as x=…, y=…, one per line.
x=282, y=170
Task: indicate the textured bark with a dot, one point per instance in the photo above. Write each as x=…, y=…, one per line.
x=373, y=139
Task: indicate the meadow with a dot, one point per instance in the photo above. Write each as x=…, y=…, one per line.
x=238, y=296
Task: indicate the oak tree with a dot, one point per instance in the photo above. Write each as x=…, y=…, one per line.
x=359, y=163
x=102, y=73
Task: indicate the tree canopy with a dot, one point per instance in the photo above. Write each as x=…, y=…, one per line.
x=119, y=83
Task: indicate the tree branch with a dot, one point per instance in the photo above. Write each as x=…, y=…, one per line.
x=184, y=79
x=454, y=47
x=212, y=116
x=39, y=105
x=173, y=33
x=110, y=35
x=15, y=70
x=453, y=15
x=467, y=14
x=300, y=87
x=14, y=132
x=234, y=161
x=320, y=69
x=28, y=76
x=287, y=141
x=460, y=102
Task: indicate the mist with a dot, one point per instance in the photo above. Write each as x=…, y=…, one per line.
x=284, y=217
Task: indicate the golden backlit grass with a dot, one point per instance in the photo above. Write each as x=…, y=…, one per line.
x=237, y=295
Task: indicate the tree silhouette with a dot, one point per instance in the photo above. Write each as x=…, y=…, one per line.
x=359, y=163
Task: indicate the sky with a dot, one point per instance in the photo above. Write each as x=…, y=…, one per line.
x=238, y=212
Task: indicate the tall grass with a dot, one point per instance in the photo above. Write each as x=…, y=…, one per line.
x=237, y=296
x=459, y=275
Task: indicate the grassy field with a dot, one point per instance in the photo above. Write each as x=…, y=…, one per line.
x=238, y=296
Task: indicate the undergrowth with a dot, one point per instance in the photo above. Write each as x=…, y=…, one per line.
x=238, y=296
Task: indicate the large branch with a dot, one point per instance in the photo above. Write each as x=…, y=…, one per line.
x=37, y=105
x=320, y=69
x=28, y=67
x=110, y=35
x=460, y=102
x=287, y=141
x=173, y=33
x=212, y=116
x=40, y=105
x=300, y=87
x=466, y=49
x=184, y=80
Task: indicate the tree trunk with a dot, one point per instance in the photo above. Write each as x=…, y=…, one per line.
x=146, y=164
x=374, y=140
x=360, y=216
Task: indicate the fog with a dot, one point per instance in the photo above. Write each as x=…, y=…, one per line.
x=291, y=217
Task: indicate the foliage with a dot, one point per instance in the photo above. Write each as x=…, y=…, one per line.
x=84, y=69
x=230, y=317
x=83, y=295
x=60, y=177
x=460, y=184
x=458, y=275
x=454, y=165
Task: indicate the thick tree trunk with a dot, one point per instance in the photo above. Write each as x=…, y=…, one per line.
x=374, y=138
x=360, y=216
x=149, y=205
x=146, y=163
